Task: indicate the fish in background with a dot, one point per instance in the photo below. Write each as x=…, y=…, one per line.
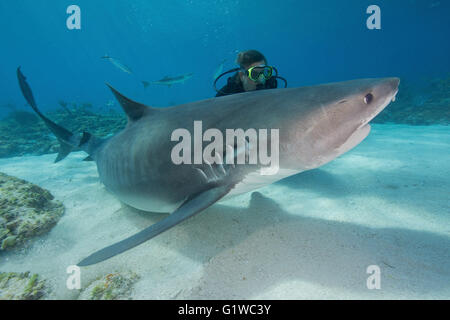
x=219, y=69
x=169, y=81
x=118, y=64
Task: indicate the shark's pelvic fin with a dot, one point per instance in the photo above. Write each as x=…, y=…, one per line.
x=133, y=109
x=190, y=207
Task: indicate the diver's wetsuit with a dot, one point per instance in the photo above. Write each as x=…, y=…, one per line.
x=234, y=85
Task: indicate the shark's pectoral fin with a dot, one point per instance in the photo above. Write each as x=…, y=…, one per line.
x=219, y=179
x=190, y=207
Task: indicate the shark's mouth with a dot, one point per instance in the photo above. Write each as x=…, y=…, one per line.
x=364, y=129
x=355, y=138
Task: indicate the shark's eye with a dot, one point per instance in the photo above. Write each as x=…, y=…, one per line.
x=368, y=98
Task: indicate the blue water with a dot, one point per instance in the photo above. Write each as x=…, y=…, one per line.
x=309, y=42
x=309, y=236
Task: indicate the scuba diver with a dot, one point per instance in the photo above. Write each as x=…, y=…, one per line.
x=253, y=74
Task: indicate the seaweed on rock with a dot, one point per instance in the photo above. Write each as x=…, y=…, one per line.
x=114, y=286
x=21, y=286
x=26, y=211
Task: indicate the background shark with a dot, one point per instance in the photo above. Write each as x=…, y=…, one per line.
x=169, y=81
x=316, y=124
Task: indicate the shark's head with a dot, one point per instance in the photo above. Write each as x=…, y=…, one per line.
x=336, y=120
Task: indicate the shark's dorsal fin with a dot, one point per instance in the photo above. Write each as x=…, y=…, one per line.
x=133, y=109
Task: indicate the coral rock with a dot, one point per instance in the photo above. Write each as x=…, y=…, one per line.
x=26, y=211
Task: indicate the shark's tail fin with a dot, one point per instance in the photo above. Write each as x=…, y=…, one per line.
x=68, y=141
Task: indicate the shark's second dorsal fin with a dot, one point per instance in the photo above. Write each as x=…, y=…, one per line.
x=133, y=109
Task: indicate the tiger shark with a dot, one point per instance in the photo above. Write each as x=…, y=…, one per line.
x=316, y=124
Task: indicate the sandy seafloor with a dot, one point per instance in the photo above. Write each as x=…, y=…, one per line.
x=310, y=236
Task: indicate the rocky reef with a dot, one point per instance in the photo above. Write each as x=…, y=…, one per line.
x=26, y=211
x=28, y=286
x=419, y=104
x=21, y=286
x=22, y=133
x=114, y=286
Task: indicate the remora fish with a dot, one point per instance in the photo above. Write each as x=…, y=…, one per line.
x=118, y=64
x=169, y=81
x=316, y=125
x=219, y=69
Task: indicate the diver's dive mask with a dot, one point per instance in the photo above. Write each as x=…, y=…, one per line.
x=260, y=74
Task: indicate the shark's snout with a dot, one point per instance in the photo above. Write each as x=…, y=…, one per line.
x=394, y=82
x=391, y=85
x=342, y=120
